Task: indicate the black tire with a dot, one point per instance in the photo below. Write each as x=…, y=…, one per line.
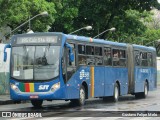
x=37, y=103
x=116, y=93
x=82, y=97
x=145, y=93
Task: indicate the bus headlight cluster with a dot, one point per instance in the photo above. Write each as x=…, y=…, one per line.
x=14, y=87
x=55, y=87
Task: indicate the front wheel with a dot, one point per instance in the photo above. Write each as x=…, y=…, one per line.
x=82, y=97
x=37, y=103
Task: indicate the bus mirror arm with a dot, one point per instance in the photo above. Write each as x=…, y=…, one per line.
x=71, y=55
x=5, y=53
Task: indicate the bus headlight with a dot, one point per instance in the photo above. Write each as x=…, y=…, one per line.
x=14, y=87
x=55, y=87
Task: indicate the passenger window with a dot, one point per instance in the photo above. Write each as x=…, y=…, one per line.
x=150, y=59
x=81, y=60
x=122, y=58
x=98, y=51
x=90, y=60
x=81, y=49
x=137, y=58
x=89, y=50
x=143, y=56
x=115, y=57
x=107, y=56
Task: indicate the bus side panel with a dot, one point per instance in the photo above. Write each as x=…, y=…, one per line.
x=95, y=83
x=73, y=85
x=152, y=79
x=116, y=74
x=109, y=81
x=99, y=81
x=123, y=78
x=141, y=74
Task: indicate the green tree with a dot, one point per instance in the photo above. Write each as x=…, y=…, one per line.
x=15, y=12
x=122, y=14
x=67, y=11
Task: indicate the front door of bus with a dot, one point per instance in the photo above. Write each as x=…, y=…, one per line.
x=71, y=79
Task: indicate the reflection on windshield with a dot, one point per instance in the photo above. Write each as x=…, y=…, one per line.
x=35, y=62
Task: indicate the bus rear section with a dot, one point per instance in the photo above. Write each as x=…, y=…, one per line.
x=142, y=70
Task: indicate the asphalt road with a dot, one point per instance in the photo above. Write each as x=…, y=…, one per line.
x=127, y=106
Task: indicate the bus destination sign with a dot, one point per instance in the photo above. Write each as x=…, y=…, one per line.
x=37, y=39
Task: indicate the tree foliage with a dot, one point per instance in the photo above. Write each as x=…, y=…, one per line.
x=67, y=10
x=127, y=16
x=122, y=14
x=15, y=12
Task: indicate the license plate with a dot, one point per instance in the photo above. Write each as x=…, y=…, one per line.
x=33, y=96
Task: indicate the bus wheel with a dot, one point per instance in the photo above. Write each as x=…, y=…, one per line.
x=82, y=98
x=37, y=103
x=116, y=93
x=145, y=93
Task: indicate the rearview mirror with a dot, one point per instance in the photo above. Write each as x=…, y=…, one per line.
x=71, y=55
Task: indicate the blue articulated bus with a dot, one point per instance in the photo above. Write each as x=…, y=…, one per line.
x=57, y=66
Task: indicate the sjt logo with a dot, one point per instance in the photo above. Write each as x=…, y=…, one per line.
x=43, y=87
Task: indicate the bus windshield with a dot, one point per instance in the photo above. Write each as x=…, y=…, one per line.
x=35, y=62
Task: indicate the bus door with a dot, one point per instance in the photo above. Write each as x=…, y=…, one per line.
x=71, y=80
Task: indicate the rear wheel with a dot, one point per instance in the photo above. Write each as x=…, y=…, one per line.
x=116, y=93
x=143, y=94
x=37, y=103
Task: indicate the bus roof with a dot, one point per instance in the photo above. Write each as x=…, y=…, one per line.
x=144, y=47
x=89, y=39
x=102, y=41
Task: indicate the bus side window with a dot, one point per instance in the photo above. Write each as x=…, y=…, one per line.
x=98, y=51
x=115, y=57
x=90, y=55
x=150, y=59
x=107, y=56
x=89, y=50
x=81, y=55
x=137, y=58
x=98, y=56
x=122, y=57
x=81, y=60
x=143, y=56
x=81, y=49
